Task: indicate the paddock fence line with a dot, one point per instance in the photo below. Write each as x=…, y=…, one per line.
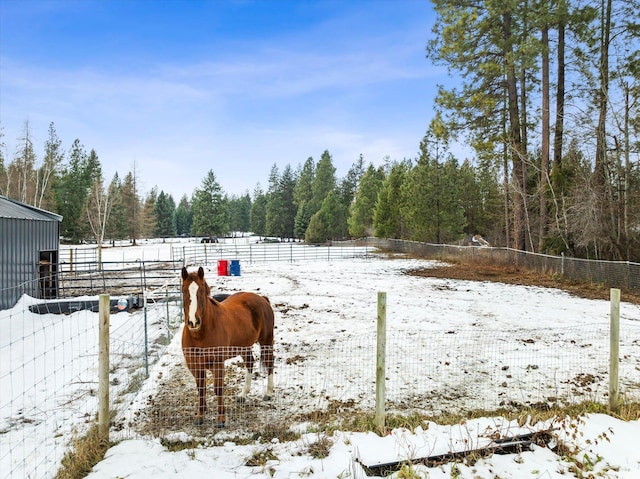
x=49, y=369
x=624, y=275
x=49, y=372
x=428, y=372
x=210, y=253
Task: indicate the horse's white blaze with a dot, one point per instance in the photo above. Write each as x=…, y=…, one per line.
x=247, y=384
x=193, y=304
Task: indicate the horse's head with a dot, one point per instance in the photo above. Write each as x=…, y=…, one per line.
x=195, y=296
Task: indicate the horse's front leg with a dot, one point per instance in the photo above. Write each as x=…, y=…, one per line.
x=218, y=387
x=201, y=385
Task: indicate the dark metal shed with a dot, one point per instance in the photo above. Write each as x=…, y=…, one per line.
x=29, y=245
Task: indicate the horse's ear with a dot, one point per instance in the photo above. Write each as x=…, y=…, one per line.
x=185, y=273
x=200, y=272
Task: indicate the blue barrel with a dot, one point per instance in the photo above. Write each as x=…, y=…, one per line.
x=234, y=267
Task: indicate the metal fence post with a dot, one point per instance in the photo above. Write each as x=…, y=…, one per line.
x=381, y=360
x=614, y=350
x=103, y=366
x=146, y=336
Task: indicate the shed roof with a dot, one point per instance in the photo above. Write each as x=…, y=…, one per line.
x=10, y=208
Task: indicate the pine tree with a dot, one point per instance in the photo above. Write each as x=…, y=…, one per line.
x=164, y=212
x=280, y=210
x=183, y=217
x=258, y=212
x=148, y=215
x=239, y=213
x=324, y=181
x=210, y=210
x=117, y=227
x=323, y=225
x=362, y=209
x=132, y=207
x=302, y=197
x=71, y=193
x=388, y=221
x=490, y=46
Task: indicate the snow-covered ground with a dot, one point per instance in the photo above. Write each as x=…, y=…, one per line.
x=452, y=345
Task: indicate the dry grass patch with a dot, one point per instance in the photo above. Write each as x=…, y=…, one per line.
x=87, y=451
x=509, y=274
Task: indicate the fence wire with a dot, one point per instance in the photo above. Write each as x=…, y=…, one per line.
x=428, y=372
x=48, y=376
x=614, y=274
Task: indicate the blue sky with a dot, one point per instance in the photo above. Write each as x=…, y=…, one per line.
x=176, y=88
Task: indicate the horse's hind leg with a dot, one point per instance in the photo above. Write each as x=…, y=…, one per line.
x=266, y=356
x=247, y=357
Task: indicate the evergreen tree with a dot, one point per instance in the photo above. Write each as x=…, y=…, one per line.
x=302, y=197
x=165, y=216
x=210, y=210
x=301, y=221
x=431, y=194
x=149, y=221
x=324, y=181
x=183, y=217
x=258, y=214
x=388, y=221
x=491, y=46
x=132, y=207
x=240, y=212
x=280, y=210
x=72, y=191
x=347, y=192
x=481, y=200
x=117, y=227
x=363, y=208
x=324, y=224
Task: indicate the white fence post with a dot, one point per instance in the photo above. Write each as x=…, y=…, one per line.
x=614, y=350
x=381, y=360
x=103, y=366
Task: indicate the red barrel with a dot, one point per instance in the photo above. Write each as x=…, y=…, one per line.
x=223, y=267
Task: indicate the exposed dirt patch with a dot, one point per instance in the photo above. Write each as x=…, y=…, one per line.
x=514, y=275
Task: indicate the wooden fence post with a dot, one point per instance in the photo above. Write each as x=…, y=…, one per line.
x=103, y=367
x=614, y=350
x=381, y=360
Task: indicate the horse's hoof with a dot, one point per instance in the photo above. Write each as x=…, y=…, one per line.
x=199, y=421
x=219, y=424
x=241, y=400
x=266, y=397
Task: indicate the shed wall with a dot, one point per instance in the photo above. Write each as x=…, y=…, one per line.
x=21, y=241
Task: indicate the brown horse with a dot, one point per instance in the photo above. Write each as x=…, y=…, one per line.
x=216, y=331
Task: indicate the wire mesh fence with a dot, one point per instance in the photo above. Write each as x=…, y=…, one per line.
x=48, y=376
x=428, y=372
x=289, y=251
x=615, y=274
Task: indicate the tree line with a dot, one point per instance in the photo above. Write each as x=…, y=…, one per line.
x=546, y=96
x=548, y=91
x=435, y=199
